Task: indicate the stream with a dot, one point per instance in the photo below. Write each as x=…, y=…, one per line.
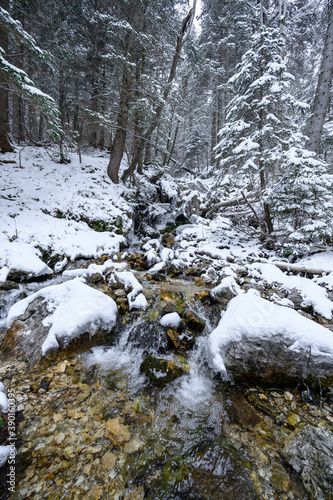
x=193, y=438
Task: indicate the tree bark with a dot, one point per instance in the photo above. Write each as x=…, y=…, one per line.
x=5, y=145
x=118, y=144
x=322, y=96
x=158, y=112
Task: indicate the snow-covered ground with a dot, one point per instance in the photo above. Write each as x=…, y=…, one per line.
x=42, y=204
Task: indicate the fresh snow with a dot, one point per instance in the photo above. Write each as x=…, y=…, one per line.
x=20, y=257
x=4, y=454
x=135, y=297
x=249, y=315
x=42, y=203
x=312, y=294
x=74, y=307
x=171, y=320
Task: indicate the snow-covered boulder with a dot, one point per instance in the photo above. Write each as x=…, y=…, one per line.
x=54, y=317
x=19, y=261
x=226, y=290
x=257, y=340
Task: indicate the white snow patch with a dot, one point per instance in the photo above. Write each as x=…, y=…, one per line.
x=171, y=320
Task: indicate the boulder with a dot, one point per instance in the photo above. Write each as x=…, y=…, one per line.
x=310, y=453
x=260, y=342
x=68, y=316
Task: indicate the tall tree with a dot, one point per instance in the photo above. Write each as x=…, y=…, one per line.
x=322, y=97
x=5, y=144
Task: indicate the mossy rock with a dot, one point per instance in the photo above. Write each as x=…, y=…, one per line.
x=194, y=322
x=161, y=371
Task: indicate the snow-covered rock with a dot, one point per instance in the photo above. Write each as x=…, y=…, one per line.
x=312, y=294
x=20, y=261
x=127, y=280
x=56, y=315
x=226, y=290
x=259, y=340
x=171, y=320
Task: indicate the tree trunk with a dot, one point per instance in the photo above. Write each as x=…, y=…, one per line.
x=322, y=96
x=5, y=145
x=158, y=112
x=118, y=144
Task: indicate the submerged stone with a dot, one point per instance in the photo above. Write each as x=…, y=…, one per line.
x=161, y=371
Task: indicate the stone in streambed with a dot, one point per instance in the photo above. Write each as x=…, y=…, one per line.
x=162, y=371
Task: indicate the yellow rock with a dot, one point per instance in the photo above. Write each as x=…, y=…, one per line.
x=109, y=460
x=116, y=432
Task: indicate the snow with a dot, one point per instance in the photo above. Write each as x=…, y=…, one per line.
x=227, y=283
x=74, y=307
x=312, y=294
x=42, y=203
x=20, y=257
x=4, y=454
x=3, y=400
x=157, y=267
x=95, y=268
x=250, y=316
x=136, y=299
x=171, y=320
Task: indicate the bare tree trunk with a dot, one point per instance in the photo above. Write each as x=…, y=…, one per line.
x=187, y=22
x=322, y=96
x=5, y=145
x=118, y=143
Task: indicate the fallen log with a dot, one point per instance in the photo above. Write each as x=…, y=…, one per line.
x=294, y=268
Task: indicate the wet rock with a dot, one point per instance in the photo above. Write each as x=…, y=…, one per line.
x=8, y=285
x=181, y=341
x=116, y=433
x=161, y=371
x=310, y=452
x=174, y=271
x=194, y=322
x=150, y=336
x=168, y=239
x=240, y=411
x=203, y=296
x=209, y=470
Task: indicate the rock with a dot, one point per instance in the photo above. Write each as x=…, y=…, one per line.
x=109, y=460
x=116, y=432
x=225, y=291
x=310, y=452
x=258, y=342
x=181, y=341
x=240, y=411
x=194, y=322
x=149, y=336
x=293, y=420
x=161, y=371
x=168, y=239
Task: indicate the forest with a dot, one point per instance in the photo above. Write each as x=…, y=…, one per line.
x=166, y=249
x=242, y=96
